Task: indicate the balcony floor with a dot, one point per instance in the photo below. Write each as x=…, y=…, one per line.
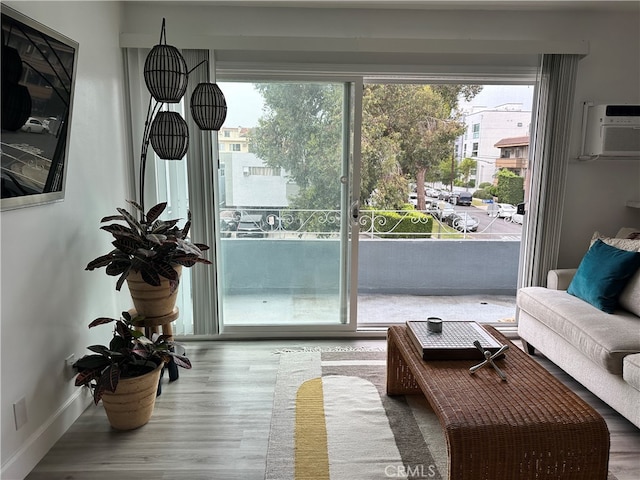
x=387, y=309
x=373, y=310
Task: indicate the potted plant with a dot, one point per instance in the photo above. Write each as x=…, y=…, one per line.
x=149, y=253
x=125, y=374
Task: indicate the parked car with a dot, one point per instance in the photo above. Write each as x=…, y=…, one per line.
x=413, y=199
x=515, y=218
x=33, y=125
x=444, y=195
x=464, y=198
x=463, y=222
x=251, y=226
x=51, y=124
x=228, y=223
x=443, y=210
x=432, y=193
x=501, y=210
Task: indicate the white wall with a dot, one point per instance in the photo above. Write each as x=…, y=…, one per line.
x=597, y=192
x=252, y=190
x=47, y=297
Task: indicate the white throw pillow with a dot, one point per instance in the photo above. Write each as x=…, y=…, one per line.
x=630, y=297
x=631, y=245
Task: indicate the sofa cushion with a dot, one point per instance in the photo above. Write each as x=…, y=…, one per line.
x=631, y=370
x=630, y=297
x=628, y=232
x=625, y=239
x=602, y=275
x=605, y=339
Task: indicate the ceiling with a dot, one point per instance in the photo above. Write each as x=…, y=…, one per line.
x=542, y=5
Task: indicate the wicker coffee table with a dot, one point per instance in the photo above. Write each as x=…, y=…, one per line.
x=529, y=427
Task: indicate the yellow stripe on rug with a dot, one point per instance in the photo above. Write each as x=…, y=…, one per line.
x=311, y=453
x=332, y=444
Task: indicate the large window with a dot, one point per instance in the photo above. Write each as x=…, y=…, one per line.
x=282, y=203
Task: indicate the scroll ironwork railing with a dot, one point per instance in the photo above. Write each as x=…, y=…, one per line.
x=373, y=224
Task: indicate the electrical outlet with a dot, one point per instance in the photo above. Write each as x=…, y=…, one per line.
x=70, y=360
x=69, y=372
x=20, y=413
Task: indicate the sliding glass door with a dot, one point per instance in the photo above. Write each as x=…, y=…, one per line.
x=437, y=161
x=282, y=206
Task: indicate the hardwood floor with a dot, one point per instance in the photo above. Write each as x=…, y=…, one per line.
x=213, y=423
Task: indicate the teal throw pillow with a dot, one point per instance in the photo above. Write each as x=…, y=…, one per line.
x=602, y=275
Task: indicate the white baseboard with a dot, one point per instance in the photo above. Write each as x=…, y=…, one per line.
x=41, y=441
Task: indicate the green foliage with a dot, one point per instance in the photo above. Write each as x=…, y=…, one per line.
x=129, y=354
x=482, y=194
x=150, y=246
x=485, y=185
x=492, y=190
x=447, y=171
x=411, y=224
x=510, y=188
x=391, y=193
x=465, y=167
x=301, y=132
x=407, y=130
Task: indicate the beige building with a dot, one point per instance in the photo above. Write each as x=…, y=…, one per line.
x=233, y=139
x=514, y=156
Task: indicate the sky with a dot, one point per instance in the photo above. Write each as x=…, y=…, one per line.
x=494, y=95
x=244, y=104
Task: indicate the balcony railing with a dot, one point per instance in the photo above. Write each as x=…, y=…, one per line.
x=511, y=163
x=372, y=224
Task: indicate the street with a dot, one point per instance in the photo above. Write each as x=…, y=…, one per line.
x=491, y=225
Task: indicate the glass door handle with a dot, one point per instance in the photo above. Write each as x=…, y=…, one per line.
x=355, y=210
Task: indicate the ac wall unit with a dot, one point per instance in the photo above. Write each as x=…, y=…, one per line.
x=613, y=130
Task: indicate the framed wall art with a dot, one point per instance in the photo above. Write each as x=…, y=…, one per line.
x=38, y=79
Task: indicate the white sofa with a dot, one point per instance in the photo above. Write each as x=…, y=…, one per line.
x=600, y=350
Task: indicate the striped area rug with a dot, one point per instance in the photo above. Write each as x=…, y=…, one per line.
x=332, y=420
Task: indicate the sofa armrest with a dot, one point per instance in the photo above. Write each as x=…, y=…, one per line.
x=561, y=278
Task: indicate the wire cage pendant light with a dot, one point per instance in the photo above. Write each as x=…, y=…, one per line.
x=208, y=106
x=169, y=136
x=166, y=74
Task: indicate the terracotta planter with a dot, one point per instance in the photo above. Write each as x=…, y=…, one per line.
x=131, y=405
x=150, y=301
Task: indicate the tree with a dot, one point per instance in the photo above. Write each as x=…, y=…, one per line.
x=406, y=131
x=466, y=166
x=414, y=126
x=447, y=174
x=510, y=187
x=301, y=132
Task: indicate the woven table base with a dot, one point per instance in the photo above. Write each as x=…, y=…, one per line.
x=529, y=427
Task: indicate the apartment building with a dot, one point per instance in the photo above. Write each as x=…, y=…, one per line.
x=485, y=127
